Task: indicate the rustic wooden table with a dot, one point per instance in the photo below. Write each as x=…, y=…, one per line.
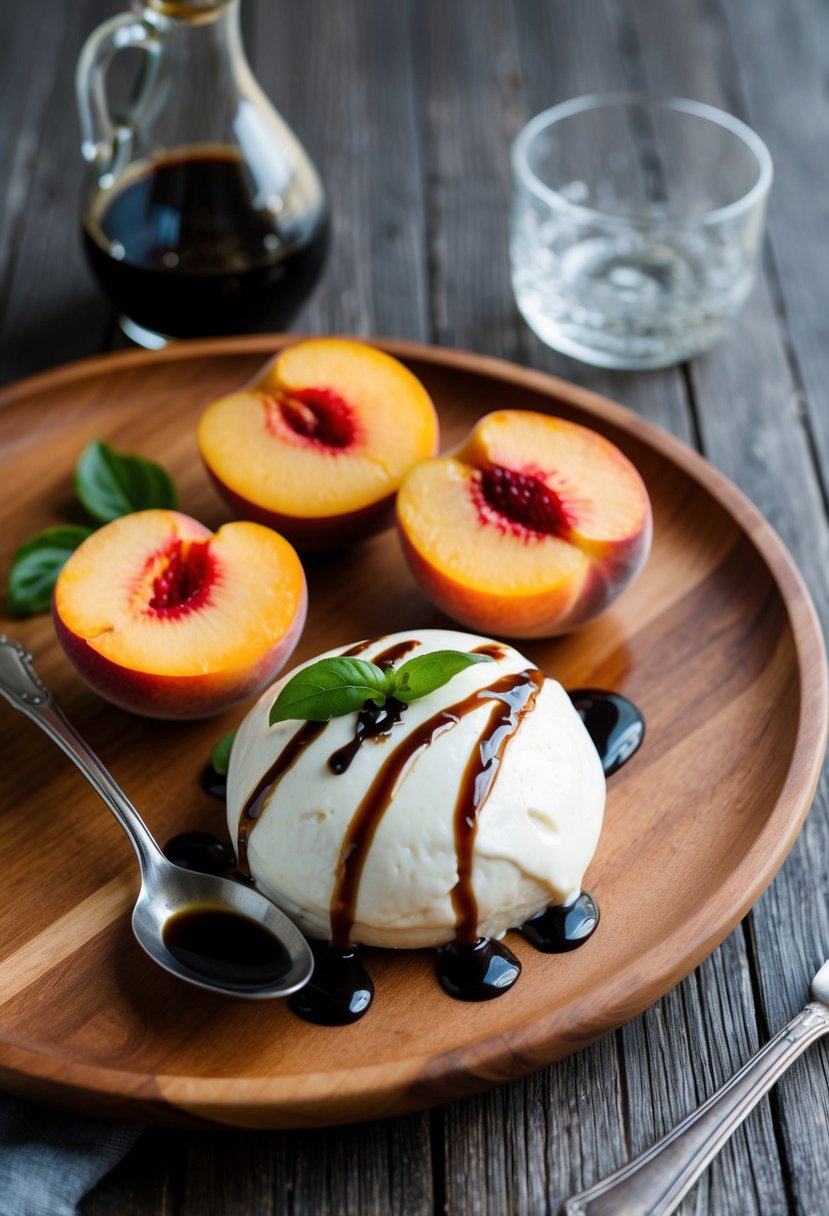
x=409, y=109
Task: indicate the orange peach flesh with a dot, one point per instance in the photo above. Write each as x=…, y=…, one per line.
x=532, y=528
x=602, y=493
x=163, y=617
x=328, y=429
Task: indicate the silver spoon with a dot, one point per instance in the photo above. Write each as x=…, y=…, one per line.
x=166, y=889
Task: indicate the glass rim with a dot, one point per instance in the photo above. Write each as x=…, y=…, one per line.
x=595, y=101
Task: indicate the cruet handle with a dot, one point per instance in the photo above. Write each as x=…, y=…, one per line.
x=104, y=140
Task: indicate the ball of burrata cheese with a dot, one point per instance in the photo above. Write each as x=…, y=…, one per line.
x=459, y=815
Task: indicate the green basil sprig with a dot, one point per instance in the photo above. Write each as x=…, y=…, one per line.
x=220, y=756
x=36, y=566
x=332, y=687
x=108, y=484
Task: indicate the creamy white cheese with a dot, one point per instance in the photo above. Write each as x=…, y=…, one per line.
x=535, y=835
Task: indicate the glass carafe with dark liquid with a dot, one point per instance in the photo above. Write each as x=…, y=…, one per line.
x=204, y=214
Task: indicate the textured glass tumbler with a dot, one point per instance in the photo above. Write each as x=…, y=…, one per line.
x=636, y=226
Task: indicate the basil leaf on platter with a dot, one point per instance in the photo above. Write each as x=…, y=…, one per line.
x=110, y=484
x=36, y=566
x=220, y=756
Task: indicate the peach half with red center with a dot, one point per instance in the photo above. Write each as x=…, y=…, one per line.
x=317, y=445
x=165, y=618
x=532, y=528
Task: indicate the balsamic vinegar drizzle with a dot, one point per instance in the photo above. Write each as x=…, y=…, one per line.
x=615, y=725
x=252, y=808
x=387, y=658
x=470, y=968
x=373, y=722
x=359, y=647
x=494, y=650
x=515, y=696
x=473, y=968
x=365, y=822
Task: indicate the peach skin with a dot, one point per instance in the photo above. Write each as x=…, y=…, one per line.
x=532, y=528
x=316, y=445
x=164, y=618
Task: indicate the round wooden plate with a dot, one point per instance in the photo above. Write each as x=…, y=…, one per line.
x=717, y=643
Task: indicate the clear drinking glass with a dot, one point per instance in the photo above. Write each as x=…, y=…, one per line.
x=636, y=226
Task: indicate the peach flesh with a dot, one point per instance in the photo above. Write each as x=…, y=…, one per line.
x=182, y=629
x=316, y=445
x=532, y=528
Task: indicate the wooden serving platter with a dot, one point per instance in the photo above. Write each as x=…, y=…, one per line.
x=717, y=643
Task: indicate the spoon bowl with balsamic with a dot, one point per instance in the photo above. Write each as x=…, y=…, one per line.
x=209, y=931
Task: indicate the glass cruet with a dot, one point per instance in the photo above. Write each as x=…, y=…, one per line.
x=203, y=213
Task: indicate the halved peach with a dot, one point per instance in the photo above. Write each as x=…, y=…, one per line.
x=532, y=528
x=164, y=618
x=316, y=446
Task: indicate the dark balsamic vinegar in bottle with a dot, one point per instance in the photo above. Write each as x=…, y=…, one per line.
x=204, y=214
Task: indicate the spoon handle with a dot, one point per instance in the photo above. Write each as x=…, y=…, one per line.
x=23, y=688
x=656, y=1181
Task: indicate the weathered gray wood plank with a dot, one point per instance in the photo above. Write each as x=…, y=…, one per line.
x=751, y=416
x=780, y=71
x=342, y=76
x=467, y=73
x=53, y=312
x=380, y=1169
x=24, y=98
x=524, y=1147
x=145, y=1182
x=658, y=1060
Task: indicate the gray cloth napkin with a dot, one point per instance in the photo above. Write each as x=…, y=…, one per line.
x=48, y=1160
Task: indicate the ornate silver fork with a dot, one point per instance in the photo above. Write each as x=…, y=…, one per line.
x=654, y=1183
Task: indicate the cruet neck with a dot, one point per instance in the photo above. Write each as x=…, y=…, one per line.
x=201, y=37
x=164, y=14
x=192, y=11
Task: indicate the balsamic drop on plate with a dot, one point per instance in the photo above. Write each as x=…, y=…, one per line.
x=615, y=724
x=478, y=972
x=339, y=991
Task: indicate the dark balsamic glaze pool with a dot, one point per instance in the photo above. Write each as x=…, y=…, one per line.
x=470, y=968
x=200, y=851
x=225, y=946
x=615, y=725
x=340, y=989
x=214, y=783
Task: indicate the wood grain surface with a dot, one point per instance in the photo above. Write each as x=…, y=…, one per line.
x=408, y=110
x=717, y=642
